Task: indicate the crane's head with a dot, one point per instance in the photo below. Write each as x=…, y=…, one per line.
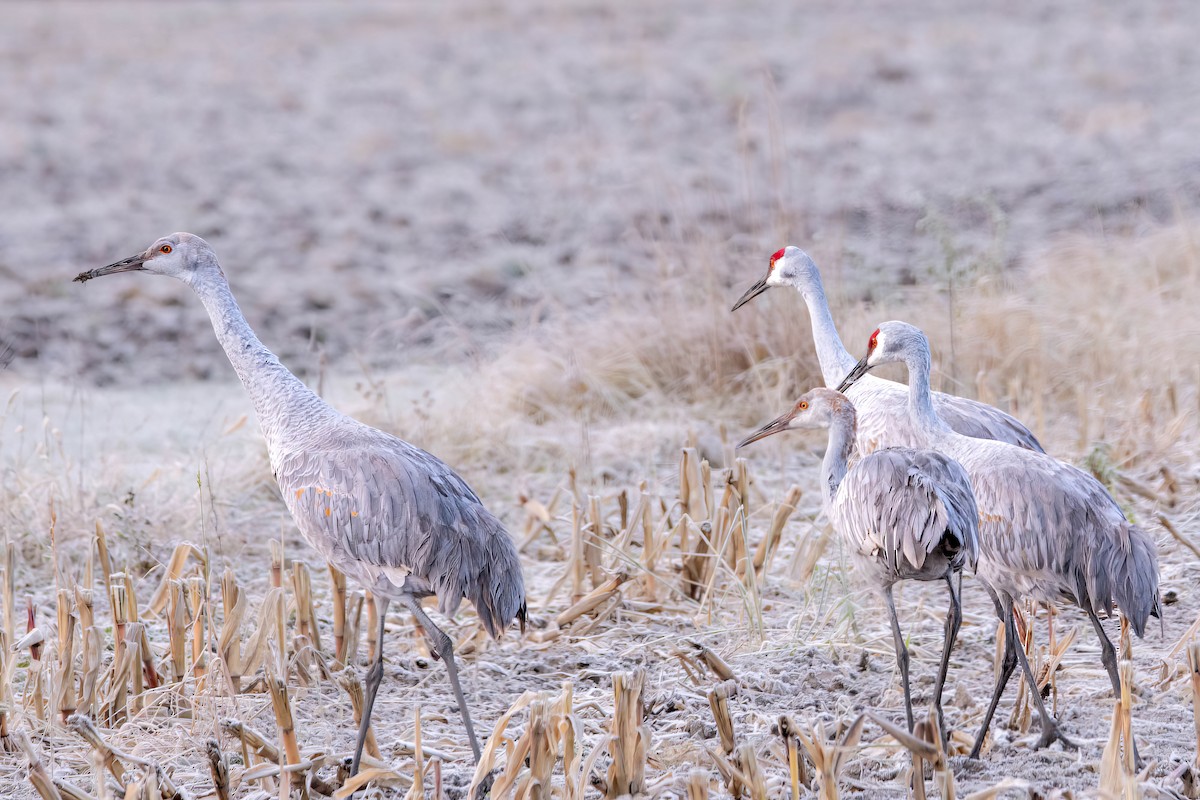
x=180, y=255
x=789, y=266
x=816, y=409
x=891, y=341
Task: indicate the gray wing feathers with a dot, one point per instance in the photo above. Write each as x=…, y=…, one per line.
x=1050, y=523
x=884, y=420
x=394, y=506
x=902, y=503
x=981, y=421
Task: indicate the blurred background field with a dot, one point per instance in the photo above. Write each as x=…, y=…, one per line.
x=511, y=234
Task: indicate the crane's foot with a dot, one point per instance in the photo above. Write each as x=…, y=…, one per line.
x=1050, y=733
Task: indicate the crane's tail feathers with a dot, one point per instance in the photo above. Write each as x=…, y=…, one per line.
x=1123, y=569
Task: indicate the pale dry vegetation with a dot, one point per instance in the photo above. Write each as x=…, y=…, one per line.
x=718, y=580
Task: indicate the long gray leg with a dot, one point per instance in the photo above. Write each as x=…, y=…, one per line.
x=953, y=622
x=374, y=678
x=443, y=648
x=901, y=655
x=1007, y=665
x=1108, y=657
x=1050, y=730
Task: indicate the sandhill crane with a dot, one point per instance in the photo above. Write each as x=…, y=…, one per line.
x=1047, y=529
x=382, y=511
x=882, y=421
x=906, y=514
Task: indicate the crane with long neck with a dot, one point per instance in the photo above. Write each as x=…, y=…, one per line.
x=382, y=511
x=906, y=514
x=1047, y=529
x=881, y=418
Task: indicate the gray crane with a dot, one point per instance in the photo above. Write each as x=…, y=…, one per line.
x=384, y=512
x=906, y=514
x=882, y=421
x=1047, y=529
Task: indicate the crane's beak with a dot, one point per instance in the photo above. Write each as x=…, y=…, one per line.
x=860, y=369
x=130, y=264
x=751, y=293
x=777, y=425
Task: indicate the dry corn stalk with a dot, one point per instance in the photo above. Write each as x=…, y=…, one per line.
x=174, y=571
x=338, y=581
x=33, y=639
x=302, y=593
x=352, y=686
x=829, y=757
x=93, y=655
x=281, y=703
x=177, y=630
x=1118, y=775
x=197, y=602
x=797, y=766
x=925, y=745
x=630, y=737
x=597, y=597
x=1193, y=659
x=38, y=776
x=218, y=767
x=770, y=543
x=697, y=785
x=593, y=533
x=417, y=790
x=229, y=643
x=65, y=698
x=718, y=701
x=751, y=774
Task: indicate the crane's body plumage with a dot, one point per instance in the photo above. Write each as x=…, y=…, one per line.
x=882, y=418
x=384, y=512
x=906, y=514
x=347, y=499
x=1048, y=530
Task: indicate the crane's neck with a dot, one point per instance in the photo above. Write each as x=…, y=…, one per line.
x=835, y=360
x=837, y=454
x=920, y=394
x=285, y=407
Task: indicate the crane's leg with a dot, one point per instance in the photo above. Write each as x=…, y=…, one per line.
x=1050, y=730
x=1007, y=665
x=374, y=678
x=953, y=622
x=901, y=655
x=1108, y=657
x=443, y=648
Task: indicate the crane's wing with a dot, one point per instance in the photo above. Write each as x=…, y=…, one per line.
x=390, y=505
x=901, y=503
x=1050, y=525
x=884, y=419
x=981, y=421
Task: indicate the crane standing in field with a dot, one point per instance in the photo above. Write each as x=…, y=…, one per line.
x=882, y=421
x=382, y=511
x=1047, y=529
x=906, y=514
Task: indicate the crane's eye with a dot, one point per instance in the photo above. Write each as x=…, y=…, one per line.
x=804, y=405
x=166, y=248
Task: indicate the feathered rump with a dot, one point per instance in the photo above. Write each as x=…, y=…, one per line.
x=1123, y=568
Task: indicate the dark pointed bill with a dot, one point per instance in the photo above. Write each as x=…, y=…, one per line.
x=860, y=369
x=777, y=425
x=751, y=293
x=124, y=265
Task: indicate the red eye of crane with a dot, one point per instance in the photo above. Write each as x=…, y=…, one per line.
x=778, y=254
x=874, y=340
x=166, y=248
x=803, y=405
